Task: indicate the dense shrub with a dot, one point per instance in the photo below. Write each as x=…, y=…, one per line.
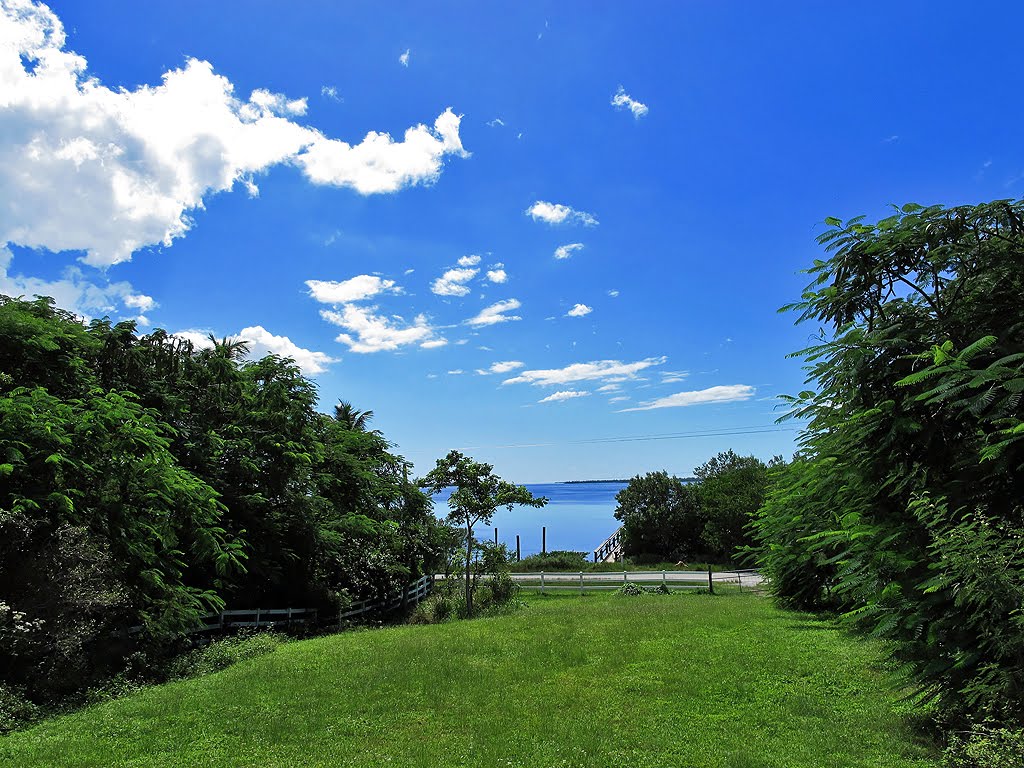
x=16, y=711
x=985, y=747
x=556, y=560
x=631, y=590
x=145, y=481
x=904, y=510
x=223, y=652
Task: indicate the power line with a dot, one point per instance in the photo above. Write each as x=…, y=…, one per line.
x=721, y=432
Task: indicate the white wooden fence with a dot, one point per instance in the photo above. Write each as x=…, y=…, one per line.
x=583, y=581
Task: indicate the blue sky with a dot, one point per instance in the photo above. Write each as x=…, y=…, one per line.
x=207, y=167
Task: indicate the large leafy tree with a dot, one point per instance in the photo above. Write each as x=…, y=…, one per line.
x=144, y=481
x=660, y=517
x=476, y=495
x=668, y=518
x=730, y=489
x=907, y=498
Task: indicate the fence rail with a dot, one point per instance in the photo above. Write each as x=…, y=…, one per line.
x=288, y=617
x=583, y=581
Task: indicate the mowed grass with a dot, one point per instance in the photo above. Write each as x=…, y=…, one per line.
x=694, y=681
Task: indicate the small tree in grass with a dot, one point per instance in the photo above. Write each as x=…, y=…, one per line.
x=478, y=494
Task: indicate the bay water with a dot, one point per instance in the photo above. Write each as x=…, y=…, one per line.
x=578, y=516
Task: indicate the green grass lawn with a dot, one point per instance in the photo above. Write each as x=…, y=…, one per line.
x=685, y=680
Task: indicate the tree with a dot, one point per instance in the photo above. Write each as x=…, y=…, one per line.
x=477, y=494
x=144, y=482
x=731, y=489
x=907, y=497
x=660, y=517
x=351, y=417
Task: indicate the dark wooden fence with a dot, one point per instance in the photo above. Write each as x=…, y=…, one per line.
x=282, y=618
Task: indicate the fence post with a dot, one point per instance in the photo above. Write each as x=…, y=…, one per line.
x=544, y=540
x=664, y=581
x=711, y=584
x=581, y=582
x=623, y=578
x=542, y=582
x=739, y=580
x=518, y=557
x=257, y=618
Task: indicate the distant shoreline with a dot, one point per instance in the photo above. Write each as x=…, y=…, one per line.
x=583, y=482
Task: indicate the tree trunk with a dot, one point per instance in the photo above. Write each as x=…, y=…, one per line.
x=469, y=558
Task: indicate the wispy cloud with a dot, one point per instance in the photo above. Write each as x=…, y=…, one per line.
x=404, y=58
x=496, y=313
x=673, y=377
x=556, y=213
x=727, y=393
x=568, y=394
x=355, y=288
x=502, y=367
x=330, y=92
x=611, y=371
x=622, y=100
x=496, y=122
x=567, y=250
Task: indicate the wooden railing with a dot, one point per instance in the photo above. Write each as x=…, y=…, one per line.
x=610, y=550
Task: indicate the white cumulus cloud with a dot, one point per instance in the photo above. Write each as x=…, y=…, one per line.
x=726, y=393
x=262, y=342
x=556, y=213
x=580, y=310
x=622, y=100
x=565, y=251
x=453, y=282
x=354, y=289
x=371, y=332
x=611, y=371
x=567, y=394
x=469, y=261
x=496, y=313
x=497, y=274
x=75, y=292
x=501, y=367
x=109, y=171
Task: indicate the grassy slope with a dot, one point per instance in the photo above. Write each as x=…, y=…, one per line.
x=688, y=681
